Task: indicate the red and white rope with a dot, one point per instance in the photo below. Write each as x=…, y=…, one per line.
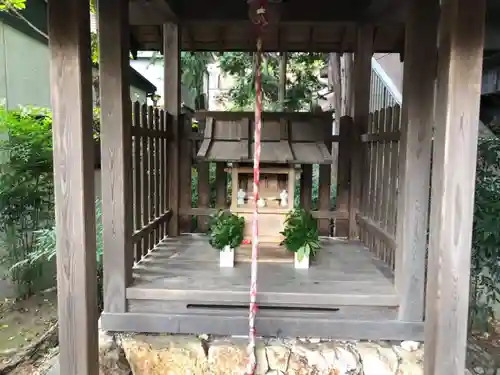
x=261, y=22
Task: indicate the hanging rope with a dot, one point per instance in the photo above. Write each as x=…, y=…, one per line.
x=260, y=21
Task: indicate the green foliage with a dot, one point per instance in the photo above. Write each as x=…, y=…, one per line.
x=45, y=249
x=301, y=234
x=226, y=229
x=9, y=5
x=26, y=188
x=302, y=82
x=485, y=270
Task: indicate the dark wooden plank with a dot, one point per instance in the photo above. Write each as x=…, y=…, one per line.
x=231, y=324
x=158, y=166
x=372, y=167
x=366, y=192
x=186, y=160
x=388, y=252
x=137, y=178
x=163, y=174
x=417, y=122
x=116, y=142
x=394, y=174
x=343, y=175
x=220, y=186
x=71, y=91
x=146, y=202
x=203, y=193
x=324, y=194
x=461, y=34
x=151, y=175
x=379, y=188
x=172, y=98
x=362, y=72
x=306, y=187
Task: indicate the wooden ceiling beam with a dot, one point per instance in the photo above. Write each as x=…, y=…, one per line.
x=237, y=10
x=151, y=12
x=384, y=10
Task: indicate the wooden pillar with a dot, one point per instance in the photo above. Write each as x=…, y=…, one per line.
x=71, y=89
x=415, y=156
x=461, y=41
x=116, y=146
x=362, y=74
x=172, y=103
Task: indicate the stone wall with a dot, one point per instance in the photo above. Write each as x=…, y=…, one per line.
x=122, y=354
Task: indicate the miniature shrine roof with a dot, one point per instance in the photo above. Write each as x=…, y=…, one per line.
x=286, y=138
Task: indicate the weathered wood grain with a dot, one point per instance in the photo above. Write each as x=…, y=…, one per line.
x=185, y=165
x=343, y=175
x=461, y=39
x=158, y=166
x=362, y=71
x=146, y=202
x=116, y=143
x=71, y=91
x=172, y=99
x=163, y=172
x=306, y=187
x=417, y=120
x=220, y=186
x=137, y=176
x=151, y=176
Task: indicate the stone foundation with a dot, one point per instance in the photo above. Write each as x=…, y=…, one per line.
x=122, y=354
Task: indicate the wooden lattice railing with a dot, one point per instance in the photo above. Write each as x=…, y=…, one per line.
x=377, y=217
x=150, y=180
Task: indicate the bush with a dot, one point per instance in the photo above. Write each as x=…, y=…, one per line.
x=26, y=189
x=485, y=269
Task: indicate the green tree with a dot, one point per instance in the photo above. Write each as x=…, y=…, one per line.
x=12, y=5
x=302, y=80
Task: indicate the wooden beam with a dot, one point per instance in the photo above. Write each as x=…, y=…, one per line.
x=361, y=73
x=71, y=89
x=415, y=156
x=461, y=38
x=150, y=12
x=384, y=10
x=172, y=104
x=116, y=145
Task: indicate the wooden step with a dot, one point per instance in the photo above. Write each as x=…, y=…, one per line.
x=268, y=253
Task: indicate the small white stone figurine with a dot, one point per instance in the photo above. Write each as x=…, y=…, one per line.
x=284, y=198
x=241, y=197
x=261, y=203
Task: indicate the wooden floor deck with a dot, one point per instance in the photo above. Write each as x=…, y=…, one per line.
x=345, y=294
x=186, y=270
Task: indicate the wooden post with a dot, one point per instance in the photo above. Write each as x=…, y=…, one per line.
x=461, y=34
x=343, y=172
x=362, y=73
x=71, y=89
x=415, y=156
x=306, y=187
x=116, y=146
x=172, y=102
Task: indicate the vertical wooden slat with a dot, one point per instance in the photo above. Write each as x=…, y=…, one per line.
x=185, y=166
x=151, y=177
x=394, y=175
x=379, y=188
x=386, y=202
x=145, y=178
x=306, y=187
x=137, y=177
x=417, y=121
x=343, y=173
x=71, y=90
x=157, y=172
x=362, y=72
x=372, y=162
x=220, y=186
x=116, y=144
x=461, y=43
x=324, y=194
x=203, y=193
x=163, y=166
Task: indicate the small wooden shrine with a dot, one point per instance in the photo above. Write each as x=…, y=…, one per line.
x=288, y=141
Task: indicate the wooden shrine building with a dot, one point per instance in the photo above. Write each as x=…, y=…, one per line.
x=391, y=267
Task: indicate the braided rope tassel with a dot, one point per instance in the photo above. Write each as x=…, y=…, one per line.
x=252, y=363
